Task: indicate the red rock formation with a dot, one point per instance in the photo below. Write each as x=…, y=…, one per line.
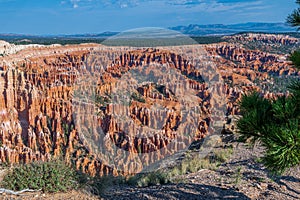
x=38, y=108
x=266, y=38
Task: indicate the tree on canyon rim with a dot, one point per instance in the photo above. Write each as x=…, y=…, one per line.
x=275, y=122
x=294, y=20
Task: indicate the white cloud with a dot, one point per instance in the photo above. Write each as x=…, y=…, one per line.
x=217, y=5
x=104, y=3
x=202, y=5
x=75, y=3
x=124, y=5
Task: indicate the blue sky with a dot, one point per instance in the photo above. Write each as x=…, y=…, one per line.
x=95, y=16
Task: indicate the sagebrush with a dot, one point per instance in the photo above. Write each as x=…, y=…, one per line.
x=52, y=176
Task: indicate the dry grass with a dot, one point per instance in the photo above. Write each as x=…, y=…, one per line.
x=190, y=164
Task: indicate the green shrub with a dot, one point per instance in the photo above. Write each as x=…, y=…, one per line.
x=97, y=185
x=52, y=176
x=149, y=179
x=238, y=176
x=138, y=97
x=175, y=172
x=211, y=161
x=221, y=155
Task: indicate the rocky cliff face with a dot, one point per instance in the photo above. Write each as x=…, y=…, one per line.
x=244, y=70
x=36, y=109
x=146, y=103
x=265, y=38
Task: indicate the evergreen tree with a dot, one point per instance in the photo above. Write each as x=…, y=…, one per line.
x=276, y=122
x=294, y=20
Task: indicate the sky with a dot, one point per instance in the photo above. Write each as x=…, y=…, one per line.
x=40, y=17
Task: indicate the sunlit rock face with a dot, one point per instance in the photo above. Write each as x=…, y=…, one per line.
x=119, y=109
x=266, y=38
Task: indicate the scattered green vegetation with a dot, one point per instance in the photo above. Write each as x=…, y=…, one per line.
x=50, y=40
x=261, y=179
x=276, y=84
x=199, y=79
x=97, y=185
x=149, y=179
x=162, y=90
x=190, y=164
x=23, y=40
x=222, y=155
x=138, y=97
x=266, y=46
x=149, y=42
x=51, y=176
x=238, y=176
x=102, y=100
x=293, y=34
x=208, y=39
x=270, y=48
x=193, y=164
x=56, y=176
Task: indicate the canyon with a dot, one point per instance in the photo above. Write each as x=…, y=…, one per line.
x=117, y=110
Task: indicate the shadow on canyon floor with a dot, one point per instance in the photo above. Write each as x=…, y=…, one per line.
x=177, y=191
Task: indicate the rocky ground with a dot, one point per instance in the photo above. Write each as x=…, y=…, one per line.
x=241, y=177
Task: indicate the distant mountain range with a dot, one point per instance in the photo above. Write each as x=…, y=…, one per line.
x=221, y=29
x=192, y=30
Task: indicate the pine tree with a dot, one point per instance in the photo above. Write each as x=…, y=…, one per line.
x=294, y=18
x=276, y=122
x=295, y=58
